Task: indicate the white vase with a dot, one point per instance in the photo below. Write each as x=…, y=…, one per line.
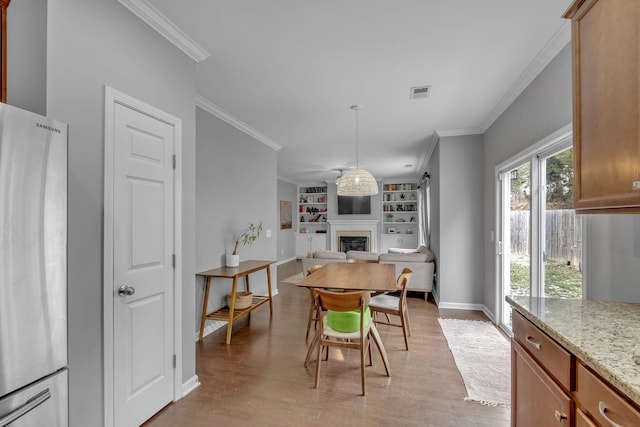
x=233, y=260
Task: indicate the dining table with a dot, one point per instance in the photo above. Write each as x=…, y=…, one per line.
x=356, y=276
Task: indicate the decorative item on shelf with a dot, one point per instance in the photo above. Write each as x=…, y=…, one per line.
x=413, y=219
x=301, y=218
x=402, y=196
x=357, y=182
x=389, y=217
x=401, y=220
x=399, y=208
x=310, y=199
x=392, y=230
x=246, y=237
x=303, y=230
x=409, y=231
x=412, y=197
x=243, y=300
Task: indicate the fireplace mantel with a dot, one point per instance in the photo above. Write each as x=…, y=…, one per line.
x=358, y=227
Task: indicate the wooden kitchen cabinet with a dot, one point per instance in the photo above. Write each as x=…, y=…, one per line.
x=601, y=402
x=606, y=105
x=536, y=399
x=541, y=378
x=550, y=386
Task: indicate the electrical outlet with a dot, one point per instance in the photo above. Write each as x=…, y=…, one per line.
x=268, y=233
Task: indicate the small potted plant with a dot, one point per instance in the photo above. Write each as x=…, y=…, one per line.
x=246, y=237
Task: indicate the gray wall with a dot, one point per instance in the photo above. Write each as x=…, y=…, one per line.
x=612, y=252
x=433, y=167
x=459, y=220
x=286, y=237
x=613, y=257
x=86, y=52
x=543, y=108
x=27, y=55
x=236, y=184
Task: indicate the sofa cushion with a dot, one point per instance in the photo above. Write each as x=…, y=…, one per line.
x=402, y=251
x=329, y=255
x=415, y=257
x=362, y=255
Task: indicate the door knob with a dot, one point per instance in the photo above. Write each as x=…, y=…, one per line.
x=125, y=290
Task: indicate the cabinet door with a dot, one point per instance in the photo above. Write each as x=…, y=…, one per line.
x=606, y=104
x=302, y=245
x=535, y=399
x=318, y=242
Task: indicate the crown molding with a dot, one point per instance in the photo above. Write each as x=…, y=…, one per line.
x=546, y=55
x=553, y=47
x=431, y=145
x=167, y=29
x=218, y=112
x=460, y=132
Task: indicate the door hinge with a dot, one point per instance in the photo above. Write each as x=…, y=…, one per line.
x=174, y=161
x=175, y=363
x=173, y=260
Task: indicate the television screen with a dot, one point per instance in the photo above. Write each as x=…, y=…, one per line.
x=354, y=205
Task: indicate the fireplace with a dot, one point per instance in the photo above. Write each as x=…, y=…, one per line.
x=354, y=243
x=355, y=235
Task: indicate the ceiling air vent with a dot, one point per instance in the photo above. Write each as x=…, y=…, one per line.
x=420, y=92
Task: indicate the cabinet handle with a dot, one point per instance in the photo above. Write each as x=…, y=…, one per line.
x=560, y=416
x=602, y=408
x=534, y=343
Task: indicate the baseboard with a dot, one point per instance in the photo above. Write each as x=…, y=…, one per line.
x=284, y=261
x=489, y=314
x=190, y=385
x=462, y=306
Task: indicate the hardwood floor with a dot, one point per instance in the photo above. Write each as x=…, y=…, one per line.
x=260, y=377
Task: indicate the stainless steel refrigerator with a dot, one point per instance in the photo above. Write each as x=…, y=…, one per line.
x=33, y=270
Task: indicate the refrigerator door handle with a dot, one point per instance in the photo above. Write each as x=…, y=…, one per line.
x=29, y=406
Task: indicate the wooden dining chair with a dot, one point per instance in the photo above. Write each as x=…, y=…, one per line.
x=359, y=339
x=394, y=305
x=312, y=311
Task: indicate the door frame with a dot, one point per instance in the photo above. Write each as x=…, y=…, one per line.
x=562, y=134
x=112, y=97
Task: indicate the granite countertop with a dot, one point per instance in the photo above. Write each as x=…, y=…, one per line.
x=603, y=335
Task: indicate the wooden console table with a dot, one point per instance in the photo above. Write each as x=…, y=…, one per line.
x=228, y=314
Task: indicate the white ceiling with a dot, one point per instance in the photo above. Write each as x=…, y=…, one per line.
x=289, y=70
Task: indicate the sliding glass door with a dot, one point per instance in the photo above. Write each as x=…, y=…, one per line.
x=539, y=234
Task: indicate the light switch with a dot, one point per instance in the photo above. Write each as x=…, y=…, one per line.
x=268, y=233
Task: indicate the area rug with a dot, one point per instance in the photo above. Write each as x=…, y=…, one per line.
x=293, y=279
x=483, y=357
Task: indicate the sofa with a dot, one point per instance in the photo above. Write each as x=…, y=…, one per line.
x=420, y=261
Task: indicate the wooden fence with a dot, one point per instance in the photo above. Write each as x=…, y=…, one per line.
x=563, y=236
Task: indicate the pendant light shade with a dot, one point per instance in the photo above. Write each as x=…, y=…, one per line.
x=357, y=182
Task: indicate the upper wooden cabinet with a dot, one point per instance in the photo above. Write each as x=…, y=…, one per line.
x=606, y=104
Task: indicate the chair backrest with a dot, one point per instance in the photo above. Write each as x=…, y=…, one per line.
x=403, y=281
x=342, y=301
x=314, y=268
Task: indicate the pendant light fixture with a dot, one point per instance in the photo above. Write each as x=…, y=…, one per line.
x=357, y=182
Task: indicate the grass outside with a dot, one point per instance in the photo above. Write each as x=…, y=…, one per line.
x=561, y=280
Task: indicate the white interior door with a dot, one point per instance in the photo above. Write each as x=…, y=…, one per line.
x=143, y=265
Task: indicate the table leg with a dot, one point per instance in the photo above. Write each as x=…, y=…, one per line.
x=247, y=288
x=232, y=303
x=269, y=287
x=204, y=306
